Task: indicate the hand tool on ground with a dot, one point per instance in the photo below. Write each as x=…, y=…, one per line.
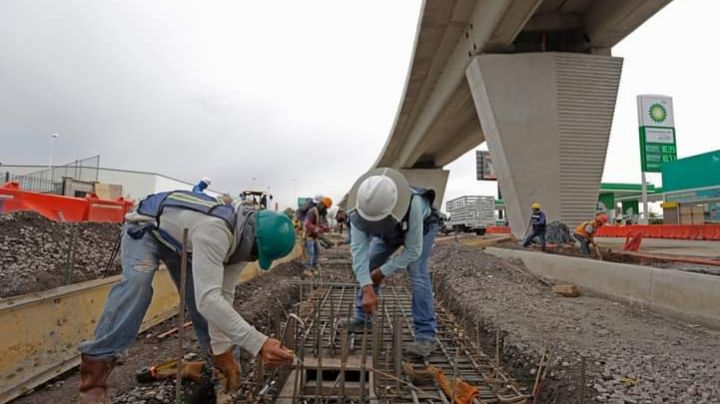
x=325, y=242
x=460, y=391
x=167, y=370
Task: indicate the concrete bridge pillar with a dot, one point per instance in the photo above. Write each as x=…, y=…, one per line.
x=546, y=118
x=432, y=178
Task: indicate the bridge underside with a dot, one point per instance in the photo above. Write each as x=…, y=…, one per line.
x=484, y=70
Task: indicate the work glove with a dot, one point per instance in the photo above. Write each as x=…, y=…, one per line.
x=227, y=371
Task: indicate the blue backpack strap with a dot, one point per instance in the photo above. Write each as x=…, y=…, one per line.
x=154, y=205
x=429, y=195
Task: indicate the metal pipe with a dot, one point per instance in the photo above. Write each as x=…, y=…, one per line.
x=397, y=345
x=363, y=361
x=453, y=384
x=318, y=355
x=343, y=363
x=181, y=318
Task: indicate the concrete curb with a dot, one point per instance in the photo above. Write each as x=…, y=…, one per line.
x=684, y=295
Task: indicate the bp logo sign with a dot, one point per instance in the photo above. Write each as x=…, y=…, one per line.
x=657, y=132
x=658, y=113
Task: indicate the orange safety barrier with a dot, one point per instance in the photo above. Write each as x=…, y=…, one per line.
x=62, y=208
x=632, y=242
x=498, y=230
x=668, y=231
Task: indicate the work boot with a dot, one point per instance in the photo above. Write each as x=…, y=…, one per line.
x=354, y=325
x=94, y=374
x=421, y=347
x=227, y=371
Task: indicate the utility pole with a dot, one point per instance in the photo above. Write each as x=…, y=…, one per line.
x=645, y=218
x=53, y=137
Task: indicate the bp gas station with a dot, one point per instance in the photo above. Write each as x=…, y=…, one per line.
x=690, y=191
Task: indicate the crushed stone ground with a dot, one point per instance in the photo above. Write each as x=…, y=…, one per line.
x=631, y=355
x=34, y=252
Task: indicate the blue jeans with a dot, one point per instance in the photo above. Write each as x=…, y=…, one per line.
x=311, y=246
x=423, y=311
x=129, y=300
x=584, y=245
x=535, y=233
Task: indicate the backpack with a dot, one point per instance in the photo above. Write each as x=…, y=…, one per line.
x=301, y=214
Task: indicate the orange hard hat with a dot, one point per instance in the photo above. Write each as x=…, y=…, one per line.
x=327, y=201
x=603, y=218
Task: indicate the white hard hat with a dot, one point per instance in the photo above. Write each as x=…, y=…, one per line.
x=379, y=194
x=317, y=198
x=206, y=180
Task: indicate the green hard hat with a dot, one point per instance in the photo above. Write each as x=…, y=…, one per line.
x=275, y=236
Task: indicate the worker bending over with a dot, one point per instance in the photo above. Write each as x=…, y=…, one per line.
x=586, y=231
x=538, y=226
x=220, y=237
x=386, y=213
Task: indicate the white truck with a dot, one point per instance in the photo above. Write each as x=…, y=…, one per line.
x=471, y=213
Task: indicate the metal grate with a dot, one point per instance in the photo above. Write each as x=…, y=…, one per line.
x=335, y=367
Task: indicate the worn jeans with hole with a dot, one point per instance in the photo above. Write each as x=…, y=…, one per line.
x=129, y=300
x=423, y=310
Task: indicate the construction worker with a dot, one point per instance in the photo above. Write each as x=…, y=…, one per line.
x=315, y=226
x=340, y=219
x=386, y=214
x=537, y=226
x=225, y=199
x=221, y=238
x=201, y=186
x=585, y=232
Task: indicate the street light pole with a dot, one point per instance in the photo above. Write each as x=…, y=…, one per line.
x=53, y=137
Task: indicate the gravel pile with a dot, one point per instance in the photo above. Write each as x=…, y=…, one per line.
x=558, y=233
x=630, y=355
x=34, y=252
x=157, y=393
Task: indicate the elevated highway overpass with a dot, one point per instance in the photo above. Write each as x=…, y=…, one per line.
x=533, y=78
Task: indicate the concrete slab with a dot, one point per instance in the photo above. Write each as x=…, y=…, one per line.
x=686, y=296
x=685, y=248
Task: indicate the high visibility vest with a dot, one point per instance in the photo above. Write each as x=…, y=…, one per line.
x=581, y=228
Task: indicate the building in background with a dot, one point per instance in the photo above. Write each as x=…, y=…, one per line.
x=135, y=184
x=690, y=192
x=691, y=189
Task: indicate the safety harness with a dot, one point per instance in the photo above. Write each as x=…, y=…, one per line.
x=154, y=205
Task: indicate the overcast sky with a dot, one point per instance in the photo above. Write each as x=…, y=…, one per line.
x=235, y=90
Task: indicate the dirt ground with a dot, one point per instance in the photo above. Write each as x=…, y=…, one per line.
x=630, y=355
x=34, y=252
